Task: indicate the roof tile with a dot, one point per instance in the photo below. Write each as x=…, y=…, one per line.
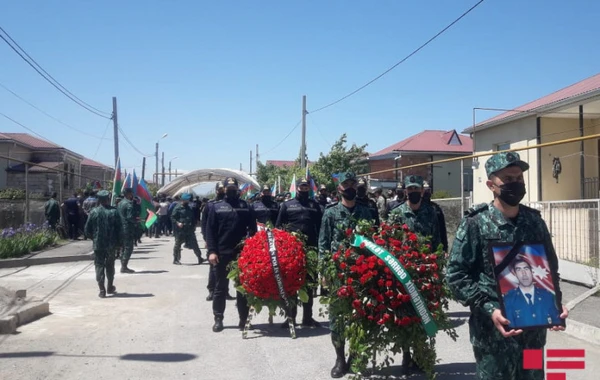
x=430, y=141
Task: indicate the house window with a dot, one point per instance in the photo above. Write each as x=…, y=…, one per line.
x=503, y=146
x=468, y=180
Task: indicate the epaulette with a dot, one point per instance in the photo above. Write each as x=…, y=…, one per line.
x=476, y=210
x=530, y=209
x=331, y=205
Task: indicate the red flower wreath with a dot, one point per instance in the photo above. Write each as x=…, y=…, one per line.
x=256, y=271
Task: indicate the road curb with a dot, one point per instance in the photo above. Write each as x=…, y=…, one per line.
x=583, y=331
x=14, y=263
x=29, y=313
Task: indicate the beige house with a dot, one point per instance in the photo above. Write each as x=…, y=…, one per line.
x=571, y=112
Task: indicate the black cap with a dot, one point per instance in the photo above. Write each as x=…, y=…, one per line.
x=302, y=181
x=266, y=188
x=230, y=181
x=362, y=181
x=219, y=185
x=322, y=187
x=128, y=190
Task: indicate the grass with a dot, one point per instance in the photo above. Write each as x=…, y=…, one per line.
x=25, y=239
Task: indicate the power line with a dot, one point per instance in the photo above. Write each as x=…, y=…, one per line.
x=24, y=126
x=285, y=138
x=401, y=61
x=133, y=146
x=104, y=134
x=319, y=130
x=28, y=59
x=47, y=114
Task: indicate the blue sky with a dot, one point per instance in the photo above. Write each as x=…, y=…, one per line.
x=223, y=76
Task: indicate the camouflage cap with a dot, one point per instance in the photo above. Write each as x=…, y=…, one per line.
x=503, y=160
x=230, y=181
x=103, y=194
x=362, y=181
x=347, y=176
x=413, y=180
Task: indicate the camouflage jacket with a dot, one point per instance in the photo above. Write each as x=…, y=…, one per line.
x=470, y=273
x=105, y=228
x=424, y=221
x=183, y=214
x=336, y=220
x=52, y=210
x=127, y=214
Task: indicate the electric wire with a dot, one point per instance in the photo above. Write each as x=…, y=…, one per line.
x=100, y=143
x=131, y=144
x=319, y=130
x=285, y=138
x=24, y=126
x=401, y=61
x=44, y=74
x=47, y=114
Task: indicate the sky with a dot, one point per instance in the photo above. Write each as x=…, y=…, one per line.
x=222, y=76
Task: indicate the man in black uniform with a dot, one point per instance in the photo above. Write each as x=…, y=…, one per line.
x=362, y=198
x=219, y=195
x=400, y=198
x=229, y=222
x=303, y=215
x=322, y=199
x=440, y=216
x=266, y=208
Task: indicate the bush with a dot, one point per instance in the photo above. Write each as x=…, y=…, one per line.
x=12, y=194
x=441, y=194
x=25, y=239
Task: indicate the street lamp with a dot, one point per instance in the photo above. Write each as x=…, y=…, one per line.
x=156, y=155
x=172, y=159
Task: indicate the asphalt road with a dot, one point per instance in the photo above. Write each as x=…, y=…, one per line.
x=158, y=326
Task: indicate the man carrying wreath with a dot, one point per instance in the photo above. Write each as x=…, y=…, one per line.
x=337, y=219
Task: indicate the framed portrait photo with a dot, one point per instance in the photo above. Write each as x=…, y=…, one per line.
x=526, y=285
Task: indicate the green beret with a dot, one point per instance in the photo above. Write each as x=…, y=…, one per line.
x=503, y=160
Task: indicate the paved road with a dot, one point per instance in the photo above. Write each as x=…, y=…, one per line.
x=159, y=327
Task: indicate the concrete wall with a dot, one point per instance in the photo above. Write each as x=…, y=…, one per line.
x=92, y=173
x=12, y=213
x=446, y=176
x=569, y=181
x=520, y=133
x=11, y=149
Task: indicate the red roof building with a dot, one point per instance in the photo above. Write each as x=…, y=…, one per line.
x=426, y=146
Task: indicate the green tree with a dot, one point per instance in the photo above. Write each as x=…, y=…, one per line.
x=340, y=158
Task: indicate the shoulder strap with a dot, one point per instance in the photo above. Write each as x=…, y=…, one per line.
x=514, y=251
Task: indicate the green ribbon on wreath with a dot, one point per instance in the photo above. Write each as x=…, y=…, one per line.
x=402, y=275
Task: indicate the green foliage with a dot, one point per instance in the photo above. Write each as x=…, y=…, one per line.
x=25, y=239
x=12, y=194
x=441, y=194
x=340, y=158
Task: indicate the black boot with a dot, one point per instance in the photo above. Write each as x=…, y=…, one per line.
x=124, y=268
x=111, y=288
x=339, y=369
x=218, y=326
x=211, y=295
x=102, y=293
x=229, y=297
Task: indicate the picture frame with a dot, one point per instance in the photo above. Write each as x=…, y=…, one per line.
x=526, y=285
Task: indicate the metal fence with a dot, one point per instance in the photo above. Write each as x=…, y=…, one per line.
x=574, y=228
x=591, y=188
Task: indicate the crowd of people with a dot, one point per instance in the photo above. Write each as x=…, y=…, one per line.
x=227, y=220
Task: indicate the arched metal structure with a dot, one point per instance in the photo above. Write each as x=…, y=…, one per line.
x=196, y=177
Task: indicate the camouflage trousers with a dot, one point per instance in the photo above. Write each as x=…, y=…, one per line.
x=190, y=240
x=127, y=248
x=500, y=358
x=336, y=326
x=104, y=262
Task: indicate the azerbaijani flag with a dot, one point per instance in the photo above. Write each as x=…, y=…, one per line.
x=313, y=185
x=126, y=183
x=274, y=189
x=134, y=183
x=336, y=178
x=245, y=190
x=147, y=215
x=293, y=187
x=117, y=183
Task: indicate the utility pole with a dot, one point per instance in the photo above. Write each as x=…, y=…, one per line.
x=116, y=130
x=169, y=171
x=162, y=183
x=303, y=147
x=240, y=166
x=250, y=163
x=143, y=168
x=257, y=156
x=156, y=169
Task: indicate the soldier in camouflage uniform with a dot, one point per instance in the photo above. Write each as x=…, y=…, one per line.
x=338, y=217
x=363, y=199
x=104, y=227
x=137, y=212
x=184, y=229
x=470, y=276
x=421, y=218
x=127, y=213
